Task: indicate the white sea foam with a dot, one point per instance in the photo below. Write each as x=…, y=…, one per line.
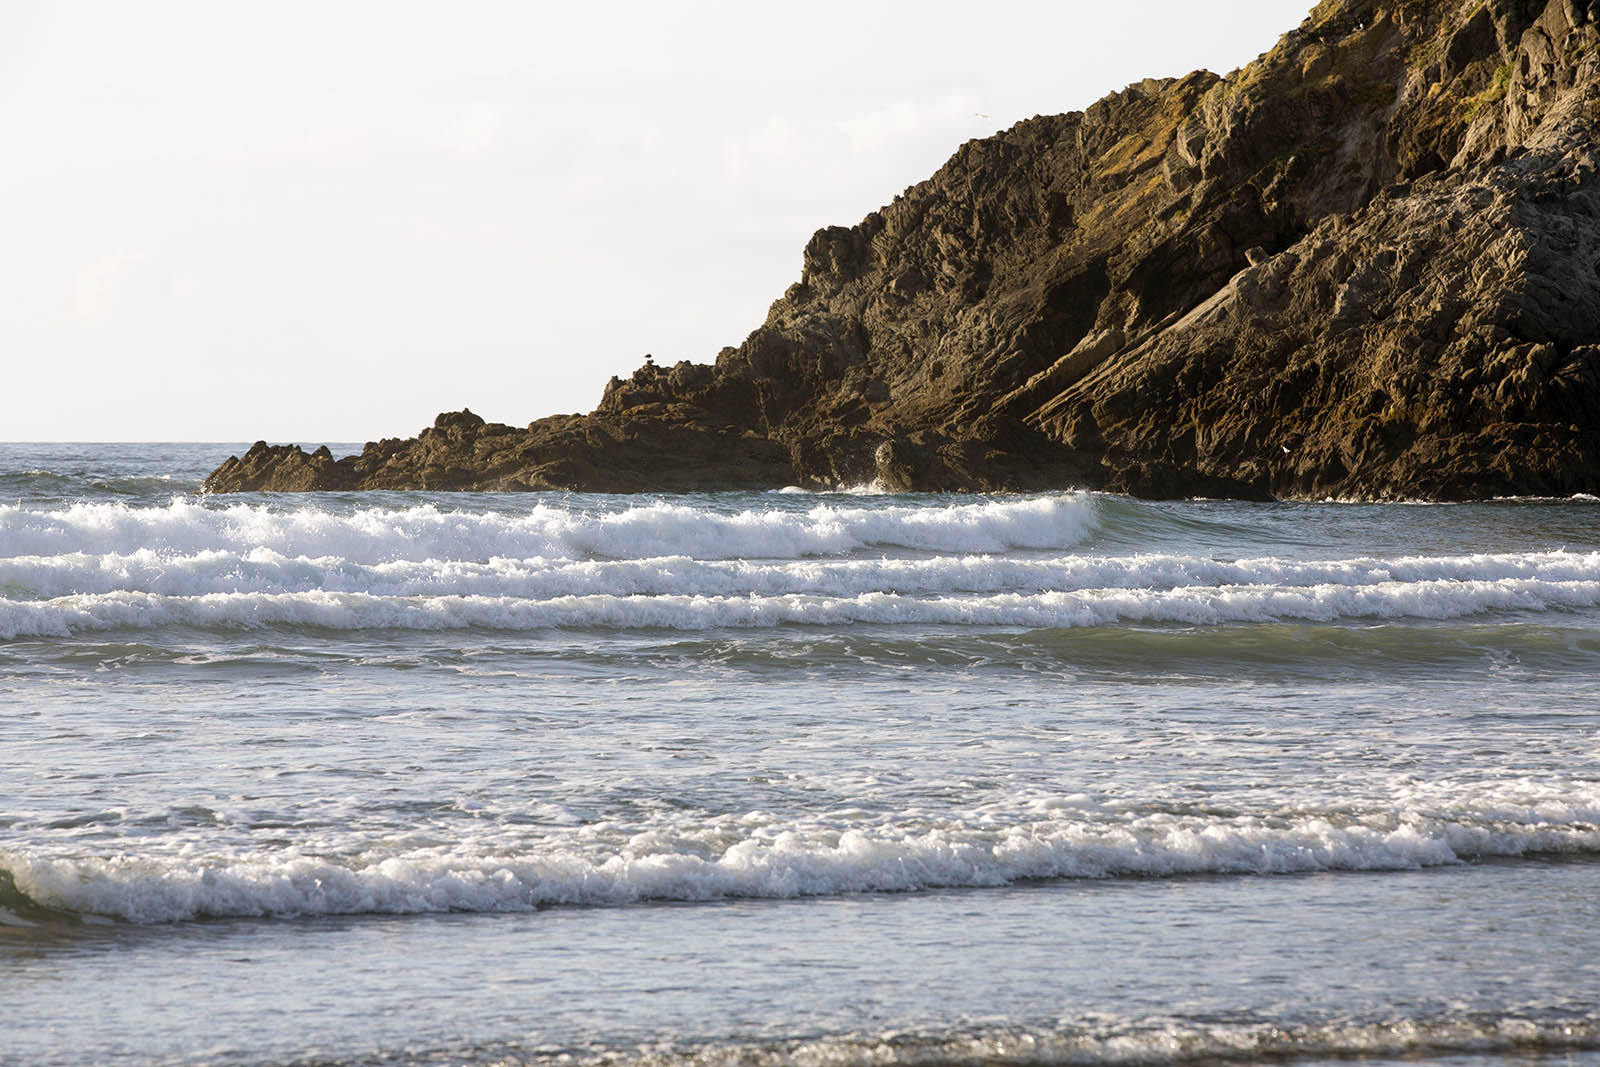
x=1206, y=605
x=697, y=858
x=658, y=565
x=1112, y=1040
x=185, y=528
x=264, y=570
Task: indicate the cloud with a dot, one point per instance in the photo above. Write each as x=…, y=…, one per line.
x=121, y=283
x=733, y=162
x=955, y=106
x=775, y=138
x=780, y=148
x=873, y=130
x=474, y=130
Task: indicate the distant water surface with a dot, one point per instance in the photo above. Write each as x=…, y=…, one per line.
x=789, y=778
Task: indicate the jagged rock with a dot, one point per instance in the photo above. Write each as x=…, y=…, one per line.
x=1365, y=265
x=572, y=452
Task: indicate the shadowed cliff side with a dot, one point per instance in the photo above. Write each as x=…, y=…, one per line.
x=1366, y=265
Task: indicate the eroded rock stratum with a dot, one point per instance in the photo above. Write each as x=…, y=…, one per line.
x=1366, y=265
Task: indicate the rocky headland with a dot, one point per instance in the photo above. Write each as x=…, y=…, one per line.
x=1367, y=265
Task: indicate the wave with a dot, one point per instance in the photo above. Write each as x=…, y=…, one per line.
x=263, y=570
x=1110, y=1041
x=760, y=856
x=1435, y=599
x=369, y=535
x=56, y=486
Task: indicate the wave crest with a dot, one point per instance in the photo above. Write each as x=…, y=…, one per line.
x=1440, y=599
x=755, y=856
x=1130, y=1042
x=375, y=535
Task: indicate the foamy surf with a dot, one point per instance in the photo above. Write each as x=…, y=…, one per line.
x=1017, y=563
x=1110, y=747
x=1208, y=606
x=1118, y=1041
x=754, y=855
x=429, y=532
x=263, y=570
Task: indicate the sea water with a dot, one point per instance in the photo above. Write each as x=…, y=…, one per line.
x=789, y=778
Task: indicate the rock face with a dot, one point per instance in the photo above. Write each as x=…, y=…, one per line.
x=1366, y=265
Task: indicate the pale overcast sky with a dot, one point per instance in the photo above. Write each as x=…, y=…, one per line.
x=328, y=221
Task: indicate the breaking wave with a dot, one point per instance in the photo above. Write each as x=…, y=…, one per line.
x=373, y=535
x=1434, y=599
x=264, y=570
x=754, y=855
x=1008, y=562
x=1110, y=1041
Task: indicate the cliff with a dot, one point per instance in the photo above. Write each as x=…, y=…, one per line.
x=1366, y=265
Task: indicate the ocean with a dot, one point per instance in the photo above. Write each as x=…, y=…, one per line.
x=789, y=778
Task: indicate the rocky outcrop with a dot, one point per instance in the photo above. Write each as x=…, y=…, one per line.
x=1366, y=265
x=461, y=451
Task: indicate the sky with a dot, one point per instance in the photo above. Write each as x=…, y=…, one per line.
x=329, y=221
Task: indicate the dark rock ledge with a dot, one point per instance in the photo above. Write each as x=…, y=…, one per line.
x=1365, y=265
